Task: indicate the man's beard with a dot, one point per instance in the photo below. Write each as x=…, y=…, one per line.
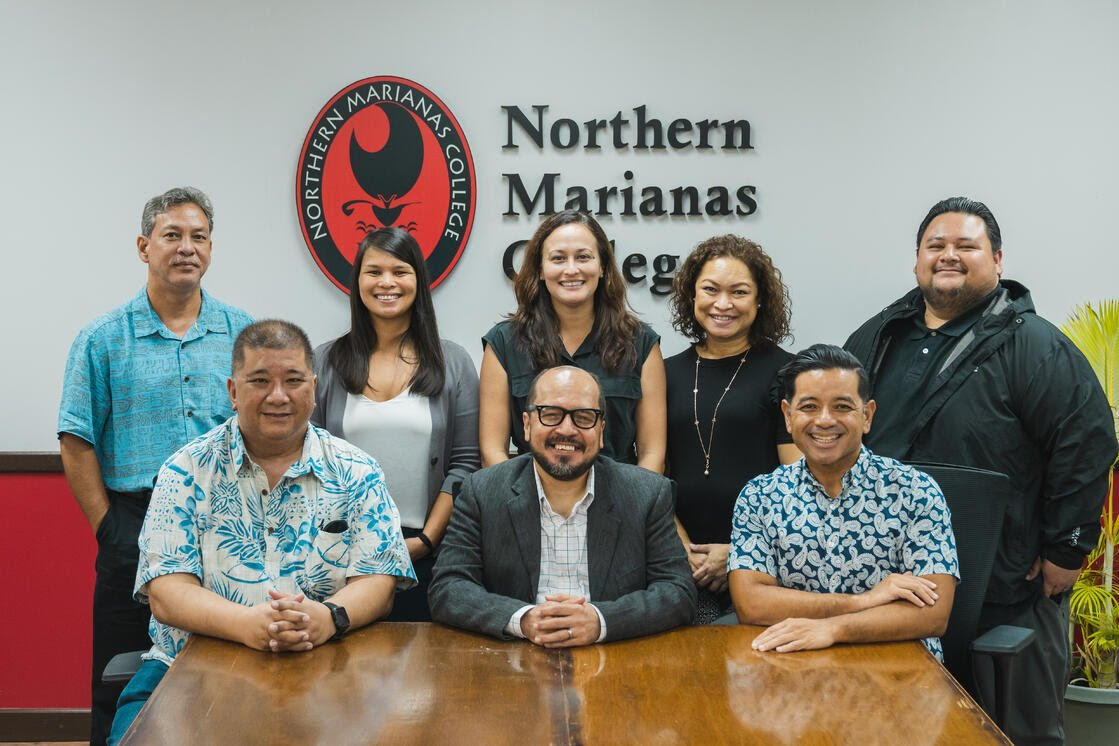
x=565, y=472
x=948, y=304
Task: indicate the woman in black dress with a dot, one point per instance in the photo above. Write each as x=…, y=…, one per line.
x=724, y=416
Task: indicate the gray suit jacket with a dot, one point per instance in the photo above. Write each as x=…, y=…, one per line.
x=489, y=561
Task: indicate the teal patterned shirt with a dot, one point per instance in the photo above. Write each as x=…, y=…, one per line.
x=887, y=518
x=212, y=515
x=138, y=393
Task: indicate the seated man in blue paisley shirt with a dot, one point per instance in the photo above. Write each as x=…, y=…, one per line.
x=266, y=530
x=843, y=545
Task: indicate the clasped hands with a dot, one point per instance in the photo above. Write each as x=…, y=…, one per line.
x=709, y=566
x=562, y=621
x=288, y=623
x=815, y=634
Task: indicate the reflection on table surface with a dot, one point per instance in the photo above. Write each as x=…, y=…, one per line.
x=426, y=684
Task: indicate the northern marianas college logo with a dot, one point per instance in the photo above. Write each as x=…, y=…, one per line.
x=384, y=151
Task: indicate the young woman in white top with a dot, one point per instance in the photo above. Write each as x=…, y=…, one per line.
x=392, y=387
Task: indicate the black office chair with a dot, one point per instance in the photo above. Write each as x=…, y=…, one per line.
x=122, y=666
x=977, y=499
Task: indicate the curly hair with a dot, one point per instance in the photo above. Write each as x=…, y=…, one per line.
x=535, y=321
x=771, y=326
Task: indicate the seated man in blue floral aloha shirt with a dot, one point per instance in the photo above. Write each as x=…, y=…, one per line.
x=843, y=545
x=266, y=530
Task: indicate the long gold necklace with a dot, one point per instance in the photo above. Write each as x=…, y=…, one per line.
x=695, y=411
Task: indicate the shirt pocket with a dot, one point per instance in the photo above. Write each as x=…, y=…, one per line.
x=519, y=384
x=206, y=396
x=622, y=388
x=623, y=394
x=327, y=564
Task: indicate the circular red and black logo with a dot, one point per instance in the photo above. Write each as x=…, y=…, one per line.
x=384, y=151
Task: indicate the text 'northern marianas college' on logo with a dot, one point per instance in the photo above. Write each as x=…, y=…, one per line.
x=384, y=151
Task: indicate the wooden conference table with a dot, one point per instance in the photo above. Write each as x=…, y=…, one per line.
x=426, y=684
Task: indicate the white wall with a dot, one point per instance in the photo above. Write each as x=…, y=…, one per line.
x=864, y=114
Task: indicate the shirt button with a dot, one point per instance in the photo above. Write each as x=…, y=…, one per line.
x=186, y=379
x=932, y=334
x=190, y=413
x=434, y=460
x=270, y=532
x=264, y=492
x=925, y=351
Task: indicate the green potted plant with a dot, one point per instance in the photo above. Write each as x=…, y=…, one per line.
x=1094, y=601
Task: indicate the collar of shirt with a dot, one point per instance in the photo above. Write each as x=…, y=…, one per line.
x=582, y=506
x=855, y=475
x=586, y=347
x=311, y=461
x=957, y=326
x=145, y=321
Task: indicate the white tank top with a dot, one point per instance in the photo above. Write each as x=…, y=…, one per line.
x=397, y=433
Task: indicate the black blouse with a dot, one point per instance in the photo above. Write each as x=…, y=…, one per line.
x=622, y=388
x=748, y=429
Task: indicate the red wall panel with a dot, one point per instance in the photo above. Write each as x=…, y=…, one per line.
x=46, y=578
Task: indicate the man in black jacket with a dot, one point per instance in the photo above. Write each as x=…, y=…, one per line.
x=965, y=372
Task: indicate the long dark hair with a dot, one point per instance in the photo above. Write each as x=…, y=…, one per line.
x=349, y=356
x=535, y=321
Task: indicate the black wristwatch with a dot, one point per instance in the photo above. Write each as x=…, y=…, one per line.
x=341, y=619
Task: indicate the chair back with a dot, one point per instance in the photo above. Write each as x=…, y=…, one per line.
x=977, y=499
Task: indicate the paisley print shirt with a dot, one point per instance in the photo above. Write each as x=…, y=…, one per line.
x=887, y=518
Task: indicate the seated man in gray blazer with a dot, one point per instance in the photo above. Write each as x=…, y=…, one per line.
x=563, y=547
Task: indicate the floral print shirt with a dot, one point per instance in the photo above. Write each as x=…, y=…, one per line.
x=213, y=515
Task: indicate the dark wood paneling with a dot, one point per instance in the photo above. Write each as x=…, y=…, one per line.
x=41, y=462
x=44, y=725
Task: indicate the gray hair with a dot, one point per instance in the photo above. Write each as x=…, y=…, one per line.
x=178, y=196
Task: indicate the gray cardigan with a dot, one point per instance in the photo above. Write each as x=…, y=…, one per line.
x=454, y=417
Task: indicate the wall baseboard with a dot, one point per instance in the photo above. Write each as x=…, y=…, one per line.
x=32, y=462
x=44, y=725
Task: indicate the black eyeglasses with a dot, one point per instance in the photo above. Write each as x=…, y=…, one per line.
x=550, y=416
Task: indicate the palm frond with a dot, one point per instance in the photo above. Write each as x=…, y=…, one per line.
x=1088, y=601
x=1094, y=329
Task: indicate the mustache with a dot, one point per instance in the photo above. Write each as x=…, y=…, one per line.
x=564, y=440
